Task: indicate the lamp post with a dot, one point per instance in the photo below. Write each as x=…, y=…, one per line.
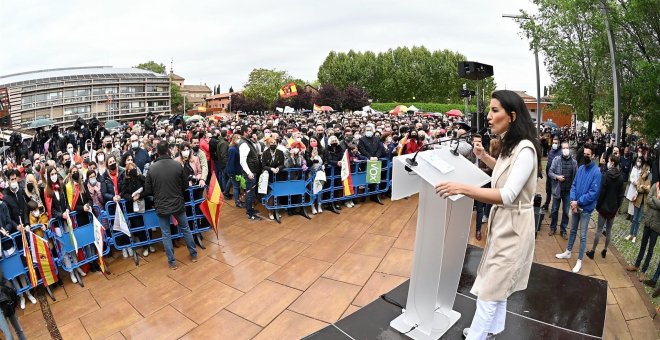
x=538, y=78
x=615, y=77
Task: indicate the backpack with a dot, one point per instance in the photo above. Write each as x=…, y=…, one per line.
x=8, y=300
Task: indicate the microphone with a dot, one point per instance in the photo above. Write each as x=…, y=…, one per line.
x=413, y=161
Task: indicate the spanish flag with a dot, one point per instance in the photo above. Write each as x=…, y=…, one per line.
x=212, y=206
x=288, y=90
x=31, y=274
x=317, y=108
x=346, y=179
x=44, y=259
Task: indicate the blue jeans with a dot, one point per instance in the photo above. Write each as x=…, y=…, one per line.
x=649, y=237
x=565, y=200
x=250, y=195
x=637, y=216
x=4, y=327
x=579, y=219
x=482, y=209
x=164, y=223
x=237, y=188
x=223, y=180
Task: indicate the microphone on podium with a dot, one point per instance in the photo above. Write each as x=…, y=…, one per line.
x=413, y=161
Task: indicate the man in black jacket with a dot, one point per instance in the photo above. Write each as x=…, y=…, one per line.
x=609, y=201
x=222, y=152
x=167, y=183
x=371, y=147
x=15, y=198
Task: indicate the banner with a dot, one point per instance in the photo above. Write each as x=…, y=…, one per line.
x=120, y=222
x=99, y=237
x=44, y=259
x=374, y=169
x=31, y=274
x=346, y=179
x=288, y=90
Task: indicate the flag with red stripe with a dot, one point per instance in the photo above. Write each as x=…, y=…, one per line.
x=31, y=274
x=44, y=259
x=212, y=206
x=346, y=179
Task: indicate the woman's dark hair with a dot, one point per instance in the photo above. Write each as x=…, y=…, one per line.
x=122, y=161
x=520, y=128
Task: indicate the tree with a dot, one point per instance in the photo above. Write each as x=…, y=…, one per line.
x=153, y=67
x=264, y=84
x=176, y=98
x=330, y=95
x=355, y=98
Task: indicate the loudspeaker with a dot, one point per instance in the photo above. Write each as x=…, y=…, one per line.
x=474, y=71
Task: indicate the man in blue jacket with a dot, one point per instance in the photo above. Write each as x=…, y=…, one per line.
x=584, y=196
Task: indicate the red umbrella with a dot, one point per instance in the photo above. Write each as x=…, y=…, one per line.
x=454, y=113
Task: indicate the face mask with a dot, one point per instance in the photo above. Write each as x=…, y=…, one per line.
x=565, y=152
x=639, y=164
x=67, y=164
x=610, y=166
x=196, y=149
x=185, y=153
x=30, y=186
x=288, y=135
x=313, y=144
x=100, y=159
x=348, y=138
x=69, y=150
x=555, y=146
x=36, y=213
x=92, y=181
x=37, y=168
x=53, y=178
x=112, y=166
x=295, y=151
x=587, y=161
x=133, y=173
x=13, y=186
x=135, y=145
x=273, y=147
x=369, y=134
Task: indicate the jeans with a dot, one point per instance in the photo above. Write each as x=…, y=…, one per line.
x=223, y=180
x=565, y=201
x=250, y=195
x=607, y=223
x=579, y=219
x=637, y=216
x=548, y=189
x=164, y=222
x=4, y=327
x=237, y=188
x=483, y=209
x=648, y=238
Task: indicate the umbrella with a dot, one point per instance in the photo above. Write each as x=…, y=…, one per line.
x=551, y=125
x=454, y=113
x=39, y=123
x=193, y=118
x=398, y=110
x=111, y=124
x=412, y=108
x=4, y=148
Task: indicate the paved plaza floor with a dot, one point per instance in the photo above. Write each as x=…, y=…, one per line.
x=265, y=280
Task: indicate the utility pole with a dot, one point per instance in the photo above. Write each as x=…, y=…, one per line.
x=615, y=77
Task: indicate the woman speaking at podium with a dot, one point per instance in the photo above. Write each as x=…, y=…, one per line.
x=507, y=258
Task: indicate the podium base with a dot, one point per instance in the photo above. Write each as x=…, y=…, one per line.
x=441, y=324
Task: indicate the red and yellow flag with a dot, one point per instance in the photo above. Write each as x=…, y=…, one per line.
x=212, y=206
x=31, y=274
x=99, y=237
x=44, y=259
x=346, y=179
x=288, y=90
x=317, y=108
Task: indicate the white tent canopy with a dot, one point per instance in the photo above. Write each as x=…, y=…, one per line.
x=413, y=108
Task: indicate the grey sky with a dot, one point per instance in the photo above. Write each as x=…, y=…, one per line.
x=220, y=42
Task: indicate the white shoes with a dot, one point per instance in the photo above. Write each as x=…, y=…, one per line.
x=130, y=251
x=22, y=298
x=578, y=266
x=349, y=204
x=314, y=212
x=634, y=239
x=124, y=253
x=319, y=208
x=628, y=237
x=73, y=278
x=145, y=253
x=81, y=272
x=31, y=298
x=564, y=255
x=271, y=216
x=152, y=249
x=484, y=219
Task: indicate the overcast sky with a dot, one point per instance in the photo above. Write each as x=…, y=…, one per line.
x=220, y=42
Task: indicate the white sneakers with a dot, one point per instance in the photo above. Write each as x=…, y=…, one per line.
x=634, y=239
x=628, y=237
x=31, y=298
x=349, y=204
x=81, y=272
x=22, y=298
x=73, y=278
x=145, y=252
x=319, y=209
x=314, y=212
x=152, y=249
x=578, y=266
x=124, y=253
x=564, y=255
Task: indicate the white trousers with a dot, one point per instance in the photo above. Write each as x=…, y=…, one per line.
x=488, y=319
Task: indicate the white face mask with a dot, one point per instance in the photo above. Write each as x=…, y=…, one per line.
x=92, y=181
x=555, y=146
x=100, y=159
x=53, y=178
x=36, y=213
x=13, y=186
x=565, y=152
x=69, y=150
x=295, y=151
x=639, y=164
x=135, y=145
x=610, y=166
x=185, y=153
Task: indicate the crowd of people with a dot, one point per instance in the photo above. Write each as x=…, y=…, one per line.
x=73, y=172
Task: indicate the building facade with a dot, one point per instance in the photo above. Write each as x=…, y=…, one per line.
x=67, y=94
x=194, y=94
x=219, y=101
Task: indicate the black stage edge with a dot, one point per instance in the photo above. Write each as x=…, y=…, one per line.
x=556, y=305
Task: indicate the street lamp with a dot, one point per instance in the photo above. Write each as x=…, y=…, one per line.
x=615, y=77
x=538, y=78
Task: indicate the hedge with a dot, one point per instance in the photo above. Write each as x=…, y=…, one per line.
x=426, y=107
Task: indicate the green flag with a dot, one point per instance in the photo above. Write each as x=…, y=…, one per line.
x=374, y=169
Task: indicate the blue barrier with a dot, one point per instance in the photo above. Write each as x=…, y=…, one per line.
x=333, y=189
x=13, y=266
x=293, y=185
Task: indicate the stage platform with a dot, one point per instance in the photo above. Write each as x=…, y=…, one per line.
x=556, y=305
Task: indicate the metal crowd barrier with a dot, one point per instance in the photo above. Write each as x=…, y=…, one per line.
x=14, y=265
x=295, y=192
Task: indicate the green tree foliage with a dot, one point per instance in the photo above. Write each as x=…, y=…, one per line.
x=264, y=84
x=153, y=67
x=176, y=99
x=400, y=74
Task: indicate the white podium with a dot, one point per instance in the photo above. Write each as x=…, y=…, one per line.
x=443, y=226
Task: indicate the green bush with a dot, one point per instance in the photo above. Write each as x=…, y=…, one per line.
x=426, y=107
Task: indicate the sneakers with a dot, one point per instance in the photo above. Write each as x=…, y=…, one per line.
x=490, y=336
x=564, y=235
x=484, y=219
x=31, y=298
x=73, y=277
x=145, y=252
x=634, y=239
x=319, y=209
x=314, y=212
x=564, y=255
x=271, y=216
x=628, y=237
x=255, y=217
x=130, y=251
x=590, y=254
x=81, y=272
x=631, y=268
x=124, y=253
x=349, y=204
x=193, y=258
x=22, y=298
x=578, y=266
x=152, y=249
x=552, y=232
x=172, y=266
